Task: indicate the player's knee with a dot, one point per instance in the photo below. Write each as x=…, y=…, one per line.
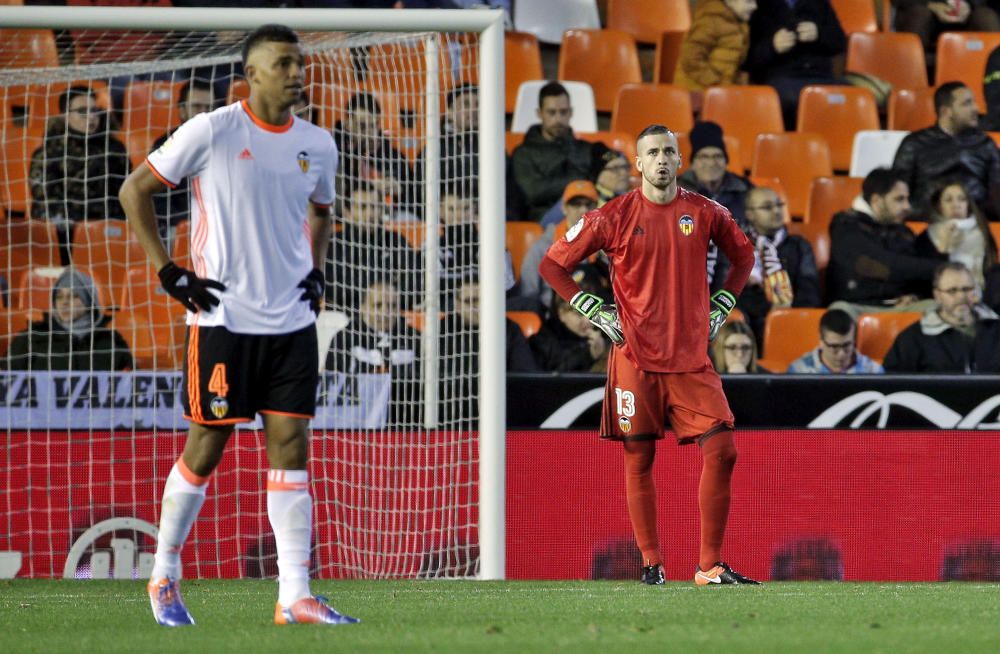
x=720, y=448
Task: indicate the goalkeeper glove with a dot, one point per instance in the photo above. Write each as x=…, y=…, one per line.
x=603, y=316
x=188, y=288
x=312, y=289
x=723, y=303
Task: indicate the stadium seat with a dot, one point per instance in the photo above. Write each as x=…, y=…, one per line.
x=28, y=107
x=788, y=334
x=796, y=159
x=962, y=56
x=581, y=98
x=605, y=59
x=512, y=140
x=828, y=195
x=151, y=106
x=911, y=109
x=874, y=149
x=896, y=57
x=878, y=331
x=16, y=148
x=97, y=46
x=856, y=15
x=918, y=227
x=402, y=68
x=818, y=235
x=647, y=19
x=12, y=323
x=521, y=235
x=548, y=20
x=33, y=288
x=744, y=112
x=28, y=49
x=238, y=90
x=621, y=141
x=734, y=149
x=522, y=63
x=528, y=321
x=668, y=53
x=27, y=244
x=640, y=105
x=108, y=249
x=995, y=231
x=154, y=346
x=837, y=113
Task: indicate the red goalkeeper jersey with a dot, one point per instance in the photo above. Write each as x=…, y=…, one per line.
x=658, y=255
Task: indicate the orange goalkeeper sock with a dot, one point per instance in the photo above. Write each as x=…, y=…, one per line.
x=718, y=459
x=640, y=493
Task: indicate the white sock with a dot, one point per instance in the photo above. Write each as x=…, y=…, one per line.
x=182, y=500
x=289, y=508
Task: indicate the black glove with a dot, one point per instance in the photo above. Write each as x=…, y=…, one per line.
x=188, y=288
x=312, y=289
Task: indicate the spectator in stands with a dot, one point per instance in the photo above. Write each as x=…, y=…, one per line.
x=784, y=272
x=459, y=149
x=579, y=197
x=550, y=156
x=459, y=357
x=874, y=262
x=367, y=154
x=958, y=335
x=378, y=340
x=567, y=341
x=954, y=147
x=76, y=173
x=991, y=91
x=793, y=45
x=928, y=18
x=734, y=350
x=610, y=172
x=708, y=176
x=172, y=206
x=73, y=336
x=716, y=45
x=958, y=229
x=836, y=353
x=363, y=246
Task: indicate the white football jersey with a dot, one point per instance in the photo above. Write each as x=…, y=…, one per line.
x=251, y=185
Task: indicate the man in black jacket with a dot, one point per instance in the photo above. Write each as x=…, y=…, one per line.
x=874, y=265
x=954, y=147
x=959, y=335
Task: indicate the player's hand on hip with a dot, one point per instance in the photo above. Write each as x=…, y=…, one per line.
x=189, y=289
x=723, y=303
x=603, y=316
x=312, y=289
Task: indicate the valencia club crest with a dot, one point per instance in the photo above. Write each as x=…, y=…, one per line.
x=686, y=224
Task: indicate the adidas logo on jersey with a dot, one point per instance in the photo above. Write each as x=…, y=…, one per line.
x=638, y=231
x=245, y=155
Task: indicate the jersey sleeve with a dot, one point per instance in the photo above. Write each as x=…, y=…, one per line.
x=737, y=248
x=183, y=154
x=325, y=192
x=584, y=238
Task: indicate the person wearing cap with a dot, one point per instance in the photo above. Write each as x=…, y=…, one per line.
x=611, y=173
x=579, y=197
x=707, y=175
x=73, y=335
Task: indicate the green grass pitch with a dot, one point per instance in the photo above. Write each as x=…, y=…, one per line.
x=466, y=616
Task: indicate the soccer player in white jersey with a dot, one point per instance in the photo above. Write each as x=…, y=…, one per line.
x=262, y=183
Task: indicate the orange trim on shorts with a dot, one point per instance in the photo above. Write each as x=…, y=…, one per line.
x=194, y=376
x=227, y=421
x=285, y=413
x=158, y=176
x=267, y=127
x=190, y=477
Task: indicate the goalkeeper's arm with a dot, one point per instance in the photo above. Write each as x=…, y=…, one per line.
x=601, y=315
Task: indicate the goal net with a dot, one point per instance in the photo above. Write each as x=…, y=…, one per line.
x=92, y=347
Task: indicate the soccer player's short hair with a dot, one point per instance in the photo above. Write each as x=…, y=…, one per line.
x=196, y=84
x=949, y=266
x=269, y=33
x=364, y=101
x=460, y=90
x=836, y=321
x=879, y=182
x=73, y=92
x=943, y=95
x=653, y=130
x=551, y=90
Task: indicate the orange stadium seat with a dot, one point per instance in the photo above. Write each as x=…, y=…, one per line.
x=896, y=57
x=818, y=235
x=15, y=161
x=856, y=15
x=33, y=289
x=744, y=112
x=605, y=59
x=150, y=320
x=402, y=68
x=837, y=113
x=918, y=227
x=528, y=321
x=108, y=248
x=734, y=149
x=647, y=19
x=331, y=80
x=93, y=46
x=521, y=235
x=26, y=244
x=961, y=56
x=911, y=109
x=995, y=231
x=621, y=141
x=828, y=195
x=512, y=140
x=12, y=323
x=522, y=63
x=640, y=105
x=995, y=136
x=668, y=53
x=796, y=159
x=29, y=49
x=878, y=331
x=788, y=334
x=151, y=106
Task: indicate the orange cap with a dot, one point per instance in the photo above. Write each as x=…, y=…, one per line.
x=580, y=188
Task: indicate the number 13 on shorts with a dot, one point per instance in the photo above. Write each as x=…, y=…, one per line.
x=625, y=408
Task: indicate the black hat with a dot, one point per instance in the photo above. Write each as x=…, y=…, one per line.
x=706, y=134
x=600, y=156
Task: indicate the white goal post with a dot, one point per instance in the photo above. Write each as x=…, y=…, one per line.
x=489, y=25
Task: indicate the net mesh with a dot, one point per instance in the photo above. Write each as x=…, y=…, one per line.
x=92, y=403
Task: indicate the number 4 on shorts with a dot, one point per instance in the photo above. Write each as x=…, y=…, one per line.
x=217, y=383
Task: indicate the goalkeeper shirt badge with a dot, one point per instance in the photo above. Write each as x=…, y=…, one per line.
x=220, y=407
x=625, y=425
x=303, y=158
x=686, y=224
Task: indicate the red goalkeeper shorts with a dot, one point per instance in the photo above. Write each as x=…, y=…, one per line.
x=638, y=404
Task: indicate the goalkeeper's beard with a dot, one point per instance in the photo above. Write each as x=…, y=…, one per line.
x=661, y=183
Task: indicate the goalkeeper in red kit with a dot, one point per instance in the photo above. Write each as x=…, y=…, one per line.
x=657, y=240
